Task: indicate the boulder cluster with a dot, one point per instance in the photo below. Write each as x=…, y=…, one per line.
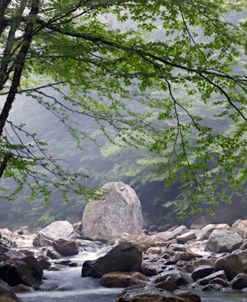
x=213, y=258
x=160, y=266
x=152, y=266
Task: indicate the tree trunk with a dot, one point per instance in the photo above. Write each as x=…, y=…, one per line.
x=19, y=65
x=3, y=6
x=14, y=24
x=4, y=163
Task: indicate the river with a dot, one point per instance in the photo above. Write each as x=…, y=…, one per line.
x=67, y=285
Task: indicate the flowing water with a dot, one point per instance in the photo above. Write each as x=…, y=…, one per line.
x=66, y=285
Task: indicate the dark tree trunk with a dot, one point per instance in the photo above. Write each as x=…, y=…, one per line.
x=14, y=24
x=4, y=163
x=3, y=6
x=19, y=65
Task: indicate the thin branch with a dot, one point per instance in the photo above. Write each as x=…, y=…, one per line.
x=230, y=101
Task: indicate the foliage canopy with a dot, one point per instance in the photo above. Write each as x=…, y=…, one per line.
x=98, y=58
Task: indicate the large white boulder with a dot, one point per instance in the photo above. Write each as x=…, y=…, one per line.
x=119, y=212
x=54, y=231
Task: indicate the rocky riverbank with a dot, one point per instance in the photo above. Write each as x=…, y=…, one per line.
x=179, y=264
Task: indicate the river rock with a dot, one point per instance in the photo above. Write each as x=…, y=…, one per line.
x=6, y=293
x=120, y=211
x=44, y=262
x=243, y=257
x=122, y=258
x=175, y=276
x=224, y=241
x=240, y=226
x=54, y=231
x=6, y=237
x=208, y=229
x=201, y=272
x=212, y=287
x=6, y=233
x=21, y=288
x=171, y=234
x=220, y=282
x=142, y=242
x=240, y=281
x=51, y=253
x=187, y=295
x=123, y=279
x=167, y=285
x=186, y=256
x=191, y=235
x=149, y=270
x=153, y=294
x=66, y=247
x=208, y=279
x=231, y=264
x=25, y=271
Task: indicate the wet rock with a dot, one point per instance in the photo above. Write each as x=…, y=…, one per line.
x=177, y=247
x=171, y=234
x=51, y=253
x=14, y=254
x=186, y=256
x=175, y=276
x=167, y=285
x=223, y=241
x=148, y=270
x=123, y=279
x=191, y=235
x=152, y=294
x=208, y=279
x=243, y=257
x=65, y=262
x=3, y=251
x=231, y=264
x=155, y=250
x=20, y=288
x=187, y=295
x=201, y=272
x=6, y=237
x=122, y=258
x=168, y=254
x=28, y=253
x=44, y=262
x=223, y=283
x=66, y=247
x=212, y=287
x=240, y=226
x=208, y=229
x=120, y=211
x=240, y=281
x=7, y=234
x=54, y=231
x=142, y=242
x=6, y=293
x=25, y=271
x=190, y=266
